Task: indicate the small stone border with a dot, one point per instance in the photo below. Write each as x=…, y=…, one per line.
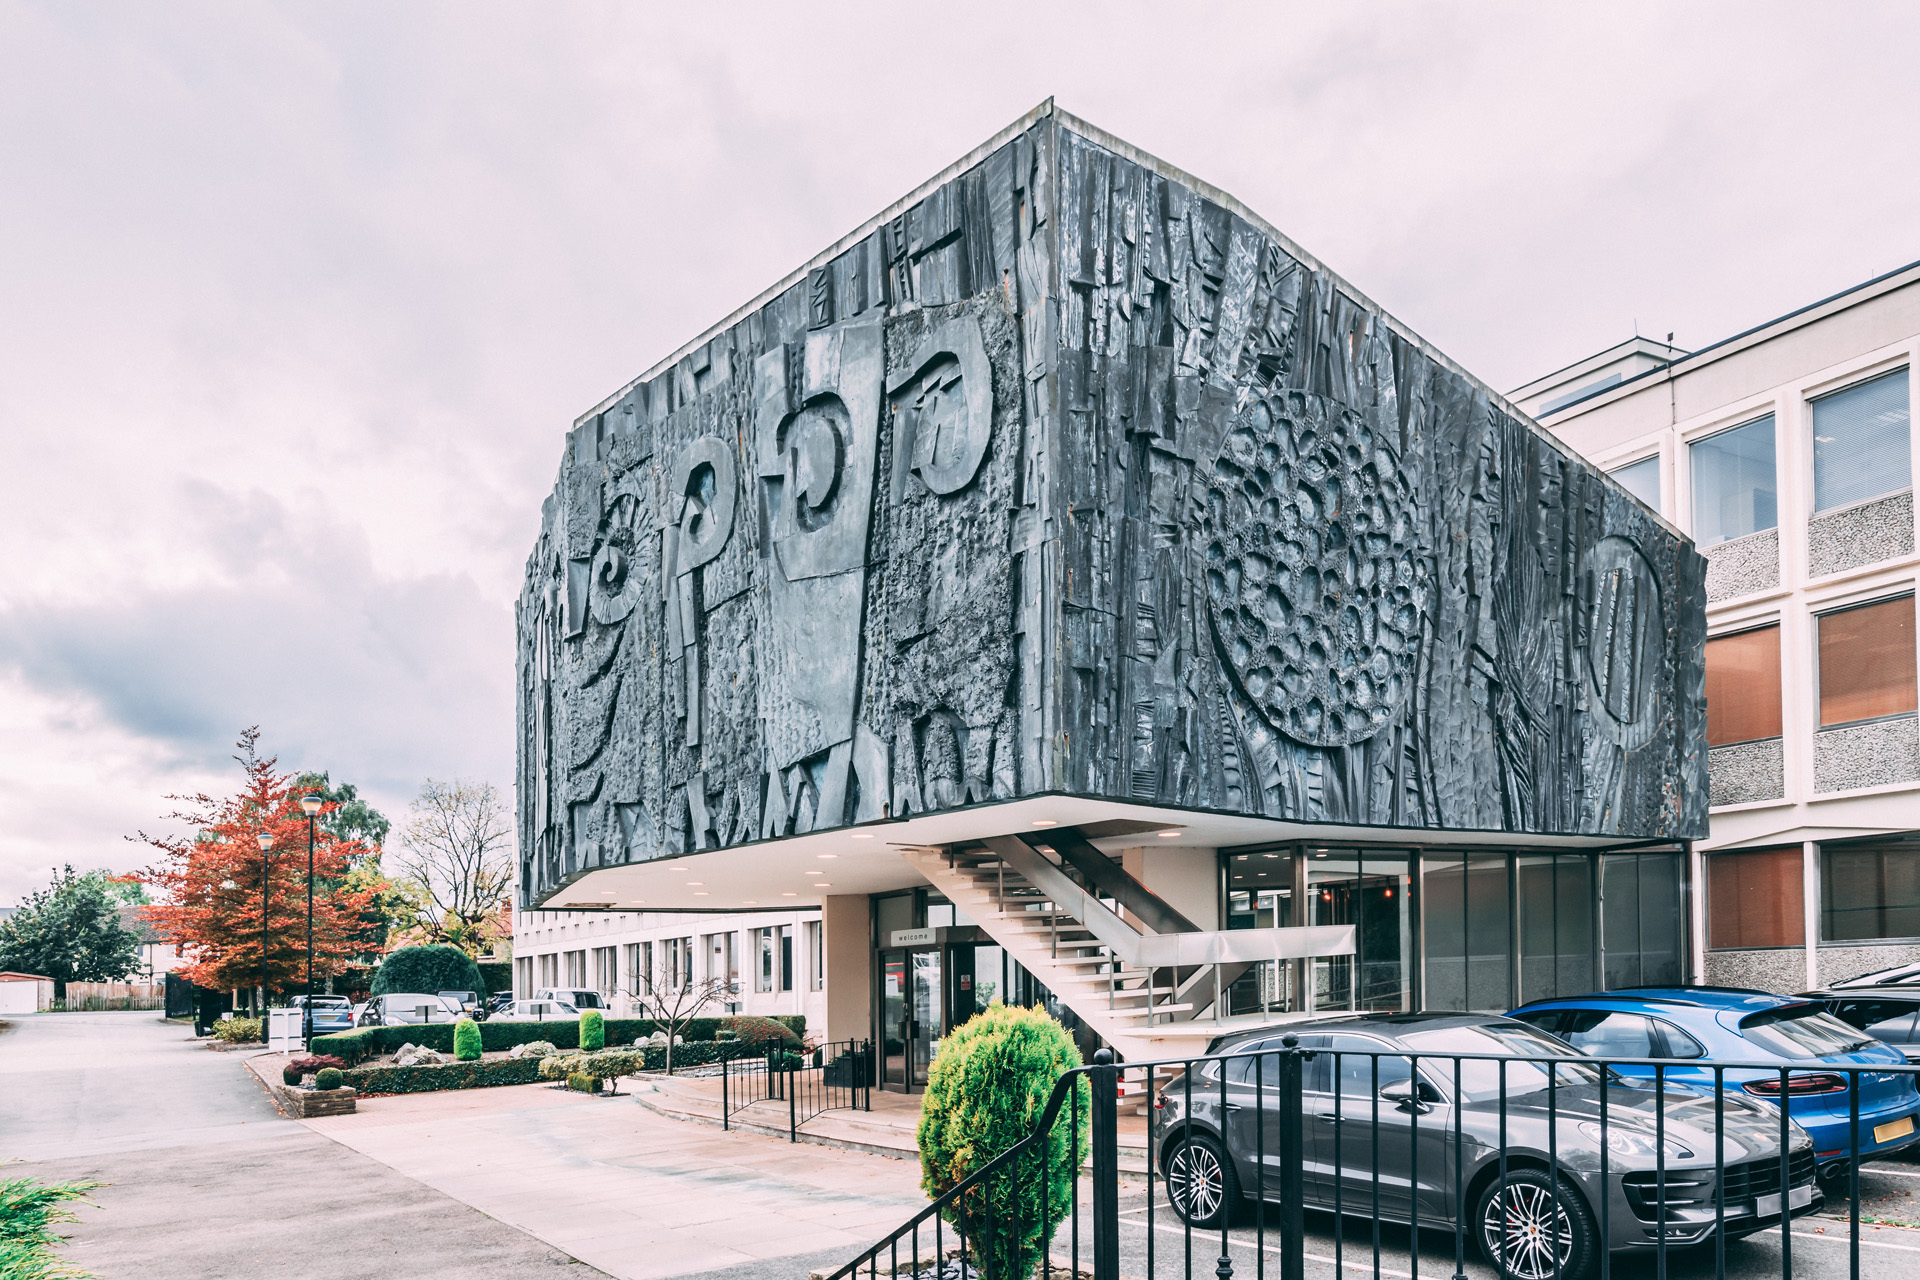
x=310, y=1104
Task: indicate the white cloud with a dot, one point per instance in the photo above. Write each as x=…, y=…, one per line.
x=297, y=299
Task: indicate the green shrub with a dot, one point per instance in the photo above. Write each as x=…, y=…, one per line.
x=497, y=974
x=984, y=1093
x=237, y=1030
x=727, y=1033
x=29, y=1211
x=428, y=969
x=593, y=1030
x=453, y=1075
x=466, y=1040
x=763, y=1035
x=329, y=1078
x=291, y=1075
x=583, y=1082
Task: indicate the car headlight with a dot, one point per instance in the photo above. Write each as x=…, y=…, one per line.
x=1624, y=1141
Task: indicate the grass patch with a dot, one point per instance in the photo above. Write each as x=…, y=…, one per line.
x=29, y=1212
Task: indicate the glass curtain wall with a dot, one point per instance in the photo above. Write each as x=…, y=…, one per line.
x=1556, y=924
x=1469, y=932
x=1260, y=896
x=1643, y=904
x=1370, y=890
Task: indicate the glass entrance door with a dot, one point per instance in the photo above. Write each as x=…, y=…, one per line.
x=894, y=1024
x=926, y=1013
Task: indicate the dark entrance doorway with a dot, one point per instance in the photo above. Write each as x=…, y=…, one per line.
x=912, y=1014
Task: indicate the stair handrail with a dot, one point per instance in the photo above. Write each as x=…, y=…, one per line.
x=1168, y=950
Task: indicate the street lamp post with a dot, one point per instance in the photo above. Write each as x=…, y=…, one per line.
x=309, y=805
x=266, y=846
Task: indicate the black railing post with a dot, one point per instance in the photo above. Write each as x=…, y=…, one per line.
x=1293, y=1223
x=726, y=1112
x=1106, y=1167
x=787, y=1082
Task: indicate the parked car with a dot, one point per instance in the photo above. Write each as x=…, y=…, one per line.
x=1889, y=1013
x=1698, y=1026
x=1210, y=1148
x=496, y=1002
x=1899, y=975
x=469, y=1001
x=403, y=1008
x=330, y=1013
x=578, y=997
x=536, y=1011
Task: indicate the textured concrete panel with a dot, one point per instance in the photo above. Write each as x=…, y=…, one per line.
x=1747, y=771
x=1742, y=566
x=1782, y=970
x=1073, y=478
x=1865, y=533
x=1837, y=964
x=1866, y=755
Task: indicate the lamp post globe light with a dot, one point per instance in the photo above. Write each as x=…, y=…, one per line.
x=266, y=849
x=309, y=805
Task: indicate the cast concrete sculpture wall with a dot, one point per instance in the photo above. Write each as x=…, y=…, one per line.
x=1072, y=476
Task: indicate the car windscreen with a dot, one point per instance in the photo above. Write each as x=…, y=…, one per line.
x=1802, y=1031
x=1480, y=1079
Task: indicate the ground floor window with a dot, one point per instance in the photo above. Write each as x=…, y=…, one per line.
x=639, y=968
x=1557, y=910
x=576, y=968
x=1756, y=898
x=550, y=970
x=606, y=971
x=1869, y=891
x=816, y=956
x=1469, y=921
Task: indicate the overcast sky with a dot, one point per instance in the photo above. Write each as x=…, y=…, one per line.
x=297, y=300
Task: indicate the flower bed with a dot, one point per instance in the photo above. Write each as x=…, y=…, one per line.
x=450, y=1075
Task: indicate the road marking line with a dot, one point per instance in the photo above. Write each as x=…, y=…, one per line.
x=1864, y=1243
x=1897, y=1173
x=1247, y=1242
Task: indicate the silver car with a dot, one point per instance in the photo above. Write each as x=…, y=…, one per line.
x=1213, y=1127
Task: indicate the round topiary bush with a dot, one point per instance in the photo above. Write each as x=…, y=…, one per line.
x=329, y=1078
x=466, y=1040
x=427, y=969
x=593, y=1030
x=764, y=1035
x=291, y=1075
x=984, y=1093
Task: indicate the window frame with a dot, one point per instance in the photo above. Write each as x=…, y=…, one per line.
x=1692, y=442
x=1780, y=684
x=1840, y=386
x=1820, y=614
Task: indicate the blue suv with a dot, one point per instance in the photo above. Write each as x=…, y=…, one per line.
x=1698, y=1026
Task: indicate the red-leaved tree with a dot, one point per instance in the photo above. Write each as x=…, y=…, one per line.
x=240, y=912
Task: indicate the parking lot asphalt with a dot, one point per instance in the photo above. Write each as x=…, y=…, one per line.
x=206, y=1179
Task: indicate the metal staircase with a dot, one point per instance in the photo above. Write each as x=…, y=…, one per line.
x=1150, y=990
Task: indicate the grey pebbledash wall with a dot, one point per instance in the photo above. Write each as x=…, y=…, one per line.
x=1742, y=566
x=1747, y=772
x=1073, y=477
x=1864, y=533
x=1866, y=755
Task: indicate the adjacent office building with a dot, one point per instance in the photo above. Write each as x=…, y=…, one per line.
x=1786, y=453
x=1065, y=588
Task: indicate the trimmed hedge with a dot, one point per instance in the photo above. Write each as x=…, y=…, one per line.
x=453, y=1075
x=357, y=1046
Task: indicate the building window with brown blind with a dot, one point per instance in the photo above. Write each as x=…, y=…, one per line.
x=1866, y=663
x=1756, y=898
x=1870, y=891
x=1743, y=687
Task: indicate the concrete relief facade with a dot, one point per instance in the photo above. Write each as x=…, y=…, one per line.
x=1071, y=477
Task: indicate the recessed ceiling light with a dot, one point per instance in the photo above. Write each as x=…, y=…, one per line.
x=826, y=855
x=700, y=893
x=749, y=902
x=1321, y=854
x=1166, y=835
x=1269, y=855
x=863, y=835
x=821, y=884
x=694, y=884
x=789, y=895
x=1045, y=822
x=639, y=899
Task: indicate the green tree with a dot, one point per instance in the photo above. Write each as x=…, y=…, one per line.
x=390, y=905
x=985, y=1092
x=354, y=819
x=427, y=969
x=70, y=932
x=124, y=890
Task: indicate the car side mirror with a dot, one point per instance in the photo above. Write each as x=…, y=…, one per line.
x=1410, y=1096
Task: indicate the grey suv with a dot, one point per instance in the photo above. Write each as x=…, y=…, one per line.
x=1210, y=1153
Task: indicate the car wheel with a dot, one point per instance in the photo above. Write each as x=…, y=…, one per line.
x=1528, y=1219
x=1201, y=1184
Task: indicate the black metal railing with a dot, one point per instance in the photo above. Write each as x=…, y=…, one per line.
x=833, y=1077
x=1547, y=1167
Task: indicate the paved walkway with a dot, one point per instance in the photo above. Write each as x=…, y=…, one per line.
x=206, y=1179
x=633, y=1193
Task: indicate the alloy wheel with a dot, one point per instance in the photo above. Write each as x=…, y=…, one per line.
x=1518, y=1226
x=1195, y=1181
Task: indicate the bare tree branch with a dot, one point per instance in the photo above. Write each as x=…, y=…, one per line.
x=456, y=858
